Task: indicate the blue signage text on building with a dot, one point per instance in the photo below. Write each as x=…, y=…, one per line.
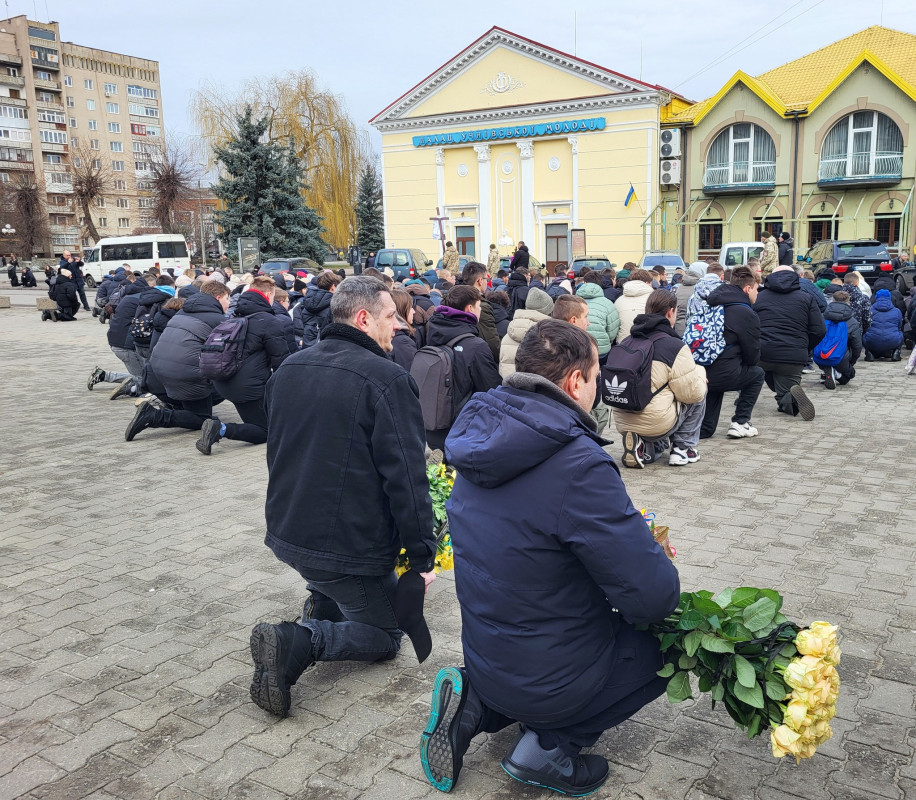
x=511, y=132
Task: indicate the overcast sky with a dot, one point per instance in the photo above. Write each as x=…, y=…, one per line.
x=372, y=52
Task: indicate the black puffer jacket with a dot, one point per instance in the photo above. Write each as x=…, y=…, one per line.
x=356, y=517
x=786, y=251
x=119, y=325
x=790, y=321
x=403, y=347
x=151, y=382
x=286, y=322
x=521, y=258
x=176, y=357
x=266, y=347
x=312, y=315
x=518, y=289
x=63, y=291
x=742, y=337
x=501, y=318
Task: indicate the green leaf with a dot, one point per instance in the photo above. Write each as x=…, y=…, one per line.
x=759, y=614
x=667, y=640
x=753, y=696
x=724, y=597
x=754, y=727
x=714, y=644
x=691, y=619
x=666, y=671
x=718, y=691
x=775, y=596
x=707, y=607
x=679, y=688
x=776, y=689
x=692, y=642
x=744, y=596
x=744, y=671
x=714, y=622
x=705, y=683
x=687, y=662
x=709, y=660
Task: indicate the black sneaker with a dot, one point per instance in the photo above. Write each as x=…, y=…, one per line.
x=576, y=776
x=97, y=376
x=147, y=416
x=454, y=720
x=281, y=653
x=209, y=436
x=45, y=316
x=633, y=455
x=125, y=389
x=805, y=406
x=829, y=379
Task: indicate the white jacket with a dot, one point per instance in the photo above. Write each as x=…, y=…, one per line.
x=630, y=305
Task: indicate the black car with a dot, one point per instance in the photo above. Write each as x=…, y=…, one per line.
x=292, y=265
x=868, y=256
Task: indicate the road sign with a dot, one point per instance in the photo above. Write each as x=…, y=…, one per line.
x=249, y=253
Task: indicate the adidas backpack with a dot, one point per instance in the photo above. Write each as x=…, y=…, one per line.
x=626, y=377
x=432, y=369
x=222, y=354
x=831, y=349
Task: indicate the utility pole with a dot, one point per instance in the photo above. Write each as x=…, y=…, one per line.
x=200, y=219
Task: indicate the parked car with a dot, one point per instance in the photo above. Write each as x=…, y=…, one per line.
x=293, y=265
x=405, y=263
x=596, y=263
x=868, y=256
x=665, y=258
x=462, y=262
x=734, y=254
x=505, y=261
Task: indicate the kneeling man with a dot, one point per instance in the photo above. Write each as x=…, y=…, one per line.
x=551, y=576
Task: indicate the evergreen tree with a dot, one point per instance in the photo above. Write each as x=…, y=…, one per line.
x=370, y=221
x=261, y=187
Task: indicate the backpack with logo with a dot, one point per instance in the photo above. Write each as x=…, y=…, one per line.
x=626, y=377
x=141, y=326
x=831, y=349
x=222, y=354
x=433, y=370
x=705, y=331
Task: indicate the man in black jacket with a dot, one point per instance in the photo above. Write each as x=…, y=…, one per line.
x=475, y=274
x=75, y=265
x=791, y=325
x=735, y=370
x=64, y=293
x=786, y=250
x=346, y=491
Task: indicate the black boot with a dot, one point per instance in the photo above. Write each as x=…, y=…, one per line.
x=147, y=416
x=895, y=356
x=869, y=356
x=45, y=316
x=530, y=763
x=281, y=653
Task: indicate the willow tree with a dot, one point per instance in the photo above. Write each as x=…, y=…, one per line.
x=311, y=121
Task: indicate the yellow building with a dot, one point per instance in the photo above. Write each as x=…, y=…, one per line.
x=512, y=140
x=819, y=146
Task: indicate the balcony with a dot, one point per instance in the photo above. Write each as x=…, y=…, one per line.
x=54, y=147
x=53, y=86
x=14, y=101
x=12, y=80
x=27, y=166
x=37, y=62
x=10, y=58
x=65, y=229
x=740, y=177
x=861, y=169
x=50, y=105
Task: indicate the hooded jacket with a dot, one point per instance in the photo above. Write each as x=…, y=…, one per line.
x=420, y=293
x=486, y=327
x=886, y=331
x=107, y=286
x=521, y=258
x=742, y=337
x=518, y=289
x=683, y=292
x=63, y=292
x=151, y=300
x=630, y=305
x=403, y=346
x=859, y=303
x=501, y=318
x=266, y=347
x=521, y=323
x=603, y=319
x=785, y=249
x=790, y=321
x=374, y=439
x=556, y=287
x=312, y=315
x=841, y=312
x=119, y=325
x=885, y=282
x=809, y=287
x=176, y=356
x=675, y=376
x=541, y=602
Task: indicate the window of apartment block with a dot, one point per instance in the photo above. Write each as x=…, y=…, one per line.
x=145, y=186
x=88, y=83
x=51, y=158
x=77, y=161
x=85, y=240
x=111, y=88
x=59, y=220
x=90, y=105
x=4, y=177
x=117, y=166
x=93, y=124
x=16, y=134
x=142, y=111
x=13, y=72
x=137, y=130
x=74, y=141
x=96, y=163
x=61, y=177
x=51, y=116
x=140, y=91
x=145, y=202
x=70, y=102
x=68, y=81
x=139, y=147
x=820, y=228
x=153, y=130
x=72, y=122
x=100, y=202
x=13, y=112
x=141, y=166
x=103, y=222
x=123, y=202
x=116, y=147
x=53, y=137
x=119, y=184
x=123, y=222
x=93, y=144
x=42, y=75
x=114, y=127
x=112, y=108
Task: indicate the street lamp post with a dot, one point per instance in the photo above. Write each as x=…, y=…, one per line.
x=200, y=219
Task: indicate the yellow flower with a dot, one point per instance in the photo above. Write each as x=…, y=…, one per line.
x=784, y=741
x=817, y=640
x=832, y=656
x=804, y=672
x=796, y=714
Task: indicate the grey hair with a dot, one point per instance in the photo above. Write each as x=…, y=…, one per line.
x=362, y=291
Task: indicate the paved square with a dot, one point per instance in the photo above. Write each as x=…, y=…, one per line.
x=131, y=574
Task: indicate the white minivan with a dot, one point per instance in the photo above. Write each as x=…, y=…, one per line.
x=734, y=254
x=163, y=250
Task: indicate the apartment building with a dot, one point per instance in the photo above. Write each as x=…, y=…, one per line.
x=61, y=102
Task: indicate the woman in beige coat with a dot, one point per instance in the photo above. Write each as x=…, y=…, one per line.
x=632, y=302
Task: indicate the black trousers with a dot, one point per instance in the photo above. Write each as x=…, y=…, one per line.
x=253, y=427
x=81, y=290
x=188, y=414
x=748, y=385
x=780, y=378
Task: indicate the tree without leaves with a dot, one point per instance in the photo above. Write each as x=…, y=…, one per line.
x=330, y=148
x=22, y=197
x=370, y=220
x=91, y=180
x=261, y=188
x=174, y=171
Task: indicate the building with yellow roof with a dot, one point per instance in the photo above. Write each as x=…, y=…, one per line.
x=819, y=146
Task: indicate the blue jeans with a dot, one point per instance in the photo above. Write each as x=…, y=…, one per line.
x=351, y=617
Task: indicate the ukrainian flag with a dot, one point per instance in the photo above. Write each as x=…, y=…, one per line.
x=631, y=196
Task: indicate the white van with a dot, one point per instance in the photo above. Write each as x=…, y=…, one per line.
x=734, y=254
x=163, y=250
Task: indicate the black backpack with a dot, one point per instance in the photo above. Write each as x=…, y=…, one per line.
x=626, y=377
x=432, y=369
x=222, y=354
x=141, y=326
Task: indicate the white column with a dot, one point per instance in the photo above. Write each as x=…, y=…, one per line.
x=484, y=201
x=440, y=179
x=526, y=154
x=574, y=215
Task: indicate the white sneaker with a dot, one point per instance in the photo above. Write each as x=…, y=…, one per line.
x=681, y=456
x=741, y=430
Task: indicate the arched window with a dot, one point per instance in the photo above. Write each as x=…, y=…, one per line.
x=741, y=154
x=865, y=144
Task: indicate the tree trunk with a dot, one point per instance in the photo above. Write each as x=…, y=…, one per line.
x=90, y=225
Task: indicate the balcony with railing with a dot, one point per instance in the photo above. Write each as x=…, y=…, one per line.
x=740, y=177
x=10, y=58
x=40, y=83
x=861, y=169
x=12, y=80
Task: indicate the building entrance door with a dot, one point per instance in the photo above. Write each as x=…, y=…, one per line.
x=464, y=240
x=557, y=250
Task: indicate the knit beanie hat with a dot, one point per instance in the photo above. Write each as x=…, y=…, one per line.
x=539, y=300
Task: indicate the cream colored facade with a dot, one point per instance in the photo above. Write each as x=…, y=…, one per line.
x=513, y=141
x=75, y=98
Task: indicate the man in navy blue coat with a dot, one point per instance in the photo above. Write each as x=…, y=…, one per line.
x=551, y=576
